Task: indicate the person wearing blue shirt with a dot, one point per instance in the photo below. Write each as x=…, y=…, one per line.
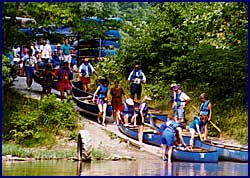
x=169, y=130
x=197, y=126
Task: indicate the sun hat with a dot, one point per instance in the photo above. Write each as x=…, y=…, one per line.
x=129, y=101
x=173, y=85
x=58, y=44
x=147, y=98
x=176, y=88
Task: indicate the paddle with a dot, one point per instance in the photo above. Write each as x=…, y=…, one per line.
x=213, y=124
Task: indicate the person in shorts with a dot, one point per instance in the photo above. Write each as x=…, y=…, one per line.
x=102, y=100
x=117, y=93
x=85, y=71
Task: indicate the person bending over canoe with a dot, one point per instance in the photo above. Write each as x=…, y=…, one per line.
x=169, y=130
x=140, y=118
x=206, y=108
x=102, y=100
x=127, y=112
x=197, y=126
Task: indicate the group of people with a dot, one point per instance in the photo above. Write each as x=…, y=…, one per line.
x=124, y=109
x=171, y=130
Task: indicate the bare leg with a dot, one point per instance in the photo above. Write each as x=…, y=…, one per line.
x=170, y=150
x=99, y=113
x=104, y=113
x=88, y=87
x=206, y=131
x=140, y=134
x=163, y=151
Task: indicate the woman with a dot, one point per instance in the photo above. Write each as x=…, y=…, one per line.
x=140, y=118
x=116, y=93
x=127, y=112
x=197, y=126
x=102, y=100
x=169, y=130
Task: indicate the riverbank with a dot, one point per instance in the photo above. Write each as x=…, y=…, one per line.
x=107, y=141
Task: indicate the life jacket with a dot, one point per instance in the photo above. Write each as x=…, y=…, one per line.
x=145, y=110
x=29, y=61
x=128, y=109
x=103, y=92
x=204, y=107
x=172, y=126
x=178, y=98
x=134, y=76
x=60, y=75
x=83, y=70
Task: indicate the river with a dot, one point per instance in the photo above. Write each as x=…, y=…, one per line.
x=140, y=167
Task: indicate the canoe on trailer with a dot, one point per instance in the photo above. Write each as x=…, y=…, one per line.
x=86, y=105
x=226, y=152
x=150, y=136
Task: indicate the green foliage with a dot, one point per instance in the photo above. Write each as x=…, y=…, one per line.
x=8, y=71
x=98, y=154
x=17, y=150
x=33, y=122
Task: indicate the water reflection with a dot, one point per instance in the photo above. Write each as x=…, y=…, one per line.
x=141, y=167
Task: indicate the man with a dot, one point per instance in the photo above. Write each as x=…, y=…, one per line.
x=66, y=50
x=169, y=130
x=46, y=51
x=85, y=71
x=173, y=96
x=182, y=99
x=206, y=108
x=136, y=78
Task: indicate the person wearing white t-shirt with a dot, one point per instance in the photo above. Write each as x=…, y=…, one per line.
x=182, y=99
x=46, y=51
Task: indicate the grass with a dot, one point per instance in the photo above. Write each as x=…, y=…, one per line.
x=19, y=151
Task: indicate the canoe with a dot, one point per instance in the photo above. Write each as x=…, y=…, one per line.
x=150, y=136
x=226, y=152
x=84, y=102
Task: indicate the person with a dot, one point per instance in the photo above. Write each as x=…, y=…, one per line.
x=206, y=107
x=136, y=78
x=117, y=93
x=46, y=51
x=173, y=96
x=17, y=59
x=34, y=49
x=102, y=100
x=140, y=118
x=169, y=130
x=46, y=79
x=182, y=99
x=127, y=112
x=29, y=64
x=85, y=71
x=66, y=50
x=197, y=126
x=64, y=79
